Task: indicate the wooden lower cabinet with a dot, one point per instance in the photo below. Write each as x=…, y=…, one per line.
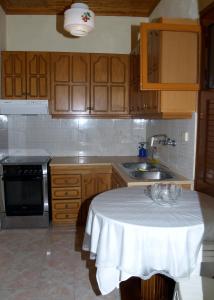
x=65, y=211
x=92, y=185
x=116, y=180
x=73, y=188
x=66, y=196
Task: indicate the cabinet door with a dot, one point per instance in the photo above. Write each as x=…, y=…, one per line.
x=93, y=184
x=13, y=75
x=103, y=182
x=165, y=64
x=88, y=192
x=109, y=84
x=70, y=79
x=117, y=181
x=38, y=75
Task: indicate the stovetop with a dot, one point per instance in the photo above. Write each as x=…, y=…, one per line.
x=25, y=160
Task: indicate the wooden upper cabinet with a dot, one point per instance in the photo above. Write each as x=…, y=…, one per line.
x=170, y=56
x=109, y=84
x=25, y=75
x=13, y=75
x=70, y=83
x=38, y=75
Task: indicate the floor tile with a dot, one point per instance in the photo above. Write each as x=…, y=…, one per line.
x=47, y=264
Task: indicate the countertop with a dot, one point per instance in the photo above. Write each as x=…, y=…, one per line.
x=115, y=162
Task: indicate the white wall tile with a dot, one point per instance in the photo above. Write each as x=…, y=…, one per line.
x=181, y=157
x=76, y=136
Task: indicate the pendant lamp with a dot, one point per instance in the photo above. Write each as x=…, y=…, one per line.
x=79, y=19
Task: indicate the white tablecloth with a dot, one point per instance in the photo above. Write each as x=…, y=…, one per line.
x=129, y=235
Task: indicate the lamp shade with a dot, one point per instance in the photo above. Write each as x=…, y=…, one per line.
x=79, y=19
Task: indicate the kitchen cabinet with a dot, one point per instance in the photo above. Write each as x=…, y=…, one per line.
x=156, y=103
x=73, y=188
x=116, y=180
x=141, y=102
x=70, y=83
x=25, y=75
x=170, y=55
x=109, y=84
x=93, y=183
x=66, y=197
x=89, y=84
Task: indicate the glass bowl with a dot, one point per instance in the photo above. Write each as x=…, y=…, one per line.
x=164, y=193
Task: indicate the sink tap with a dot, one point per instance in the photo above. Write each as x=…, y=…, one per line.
x=164, y=141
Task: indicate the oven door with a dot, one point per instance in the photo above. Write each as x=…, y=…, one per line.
x=23, y=195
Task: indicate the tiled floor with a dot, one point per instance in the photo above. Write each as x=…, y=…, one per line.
x=46, y=264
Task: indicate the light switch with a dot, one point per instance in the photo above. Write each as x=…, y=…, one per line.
x=184, y=137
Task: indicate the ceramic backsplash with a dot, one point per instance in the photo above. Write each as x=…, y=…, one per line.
x=181, y=158
x=41, y=135
x=60, y=137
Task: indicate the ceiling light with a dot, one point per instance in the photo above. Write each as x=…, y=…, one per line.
x=79, y=19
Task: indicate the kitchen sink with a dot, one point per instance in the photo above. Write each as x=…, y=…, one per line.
x=150, y=175
x=144, y=166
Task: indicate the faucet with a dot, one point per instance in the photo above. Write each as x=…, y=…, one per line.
x=165, y=141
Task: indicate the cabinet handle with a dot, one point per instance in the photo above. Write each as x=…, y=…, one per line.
x=66, y=206
x=88, y=108
x=67, y=216
x=66, y=193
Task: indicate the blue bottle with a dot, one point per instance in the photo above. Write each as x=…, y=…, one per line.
x=142, y=150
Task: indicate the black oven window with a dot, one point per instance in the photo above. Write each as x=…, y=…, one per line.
x=23, y=197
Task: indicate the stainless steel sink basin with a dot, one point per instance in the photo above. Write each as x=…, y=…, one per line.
x=150, y=175
x=136, y=166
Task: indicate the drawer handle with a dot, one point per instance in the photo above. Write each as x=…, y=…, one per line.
x=67, y=216
x=66, y=193
x=66, y=206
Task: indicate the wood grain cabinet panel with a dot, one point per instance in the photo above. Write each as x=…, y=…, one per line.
x=154, y=101
x=70, y=83
x=63, y=193
x=25, y=75
x=73, y=188
x=116, y=180
x=13, y=75
x=38, y=75
x=165, y=64
x=109, y=84
x=73, y=205
x=92, y=185
x=65, y=180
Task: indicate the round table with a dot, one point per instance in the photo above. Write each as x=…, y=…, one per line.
x=130, y=235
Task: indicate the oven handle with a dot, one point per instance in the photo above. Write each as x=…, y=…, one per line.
x=22, y=178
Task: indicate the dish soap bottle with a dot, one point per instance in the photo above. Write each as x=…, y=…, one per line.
x=142, y=151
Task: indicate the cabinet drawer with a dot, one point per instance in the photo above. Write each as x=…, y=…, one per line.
x=65, y=180
x=63, y=217
x=66, y=193
x=68, y=205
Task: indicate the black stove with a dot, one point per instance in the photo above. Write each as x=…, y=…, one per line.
x=24, y=180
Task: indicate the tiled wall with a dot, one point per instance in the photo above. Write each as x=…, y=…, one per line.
x=75, y=136
x=181, y=157
x=3, y=133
